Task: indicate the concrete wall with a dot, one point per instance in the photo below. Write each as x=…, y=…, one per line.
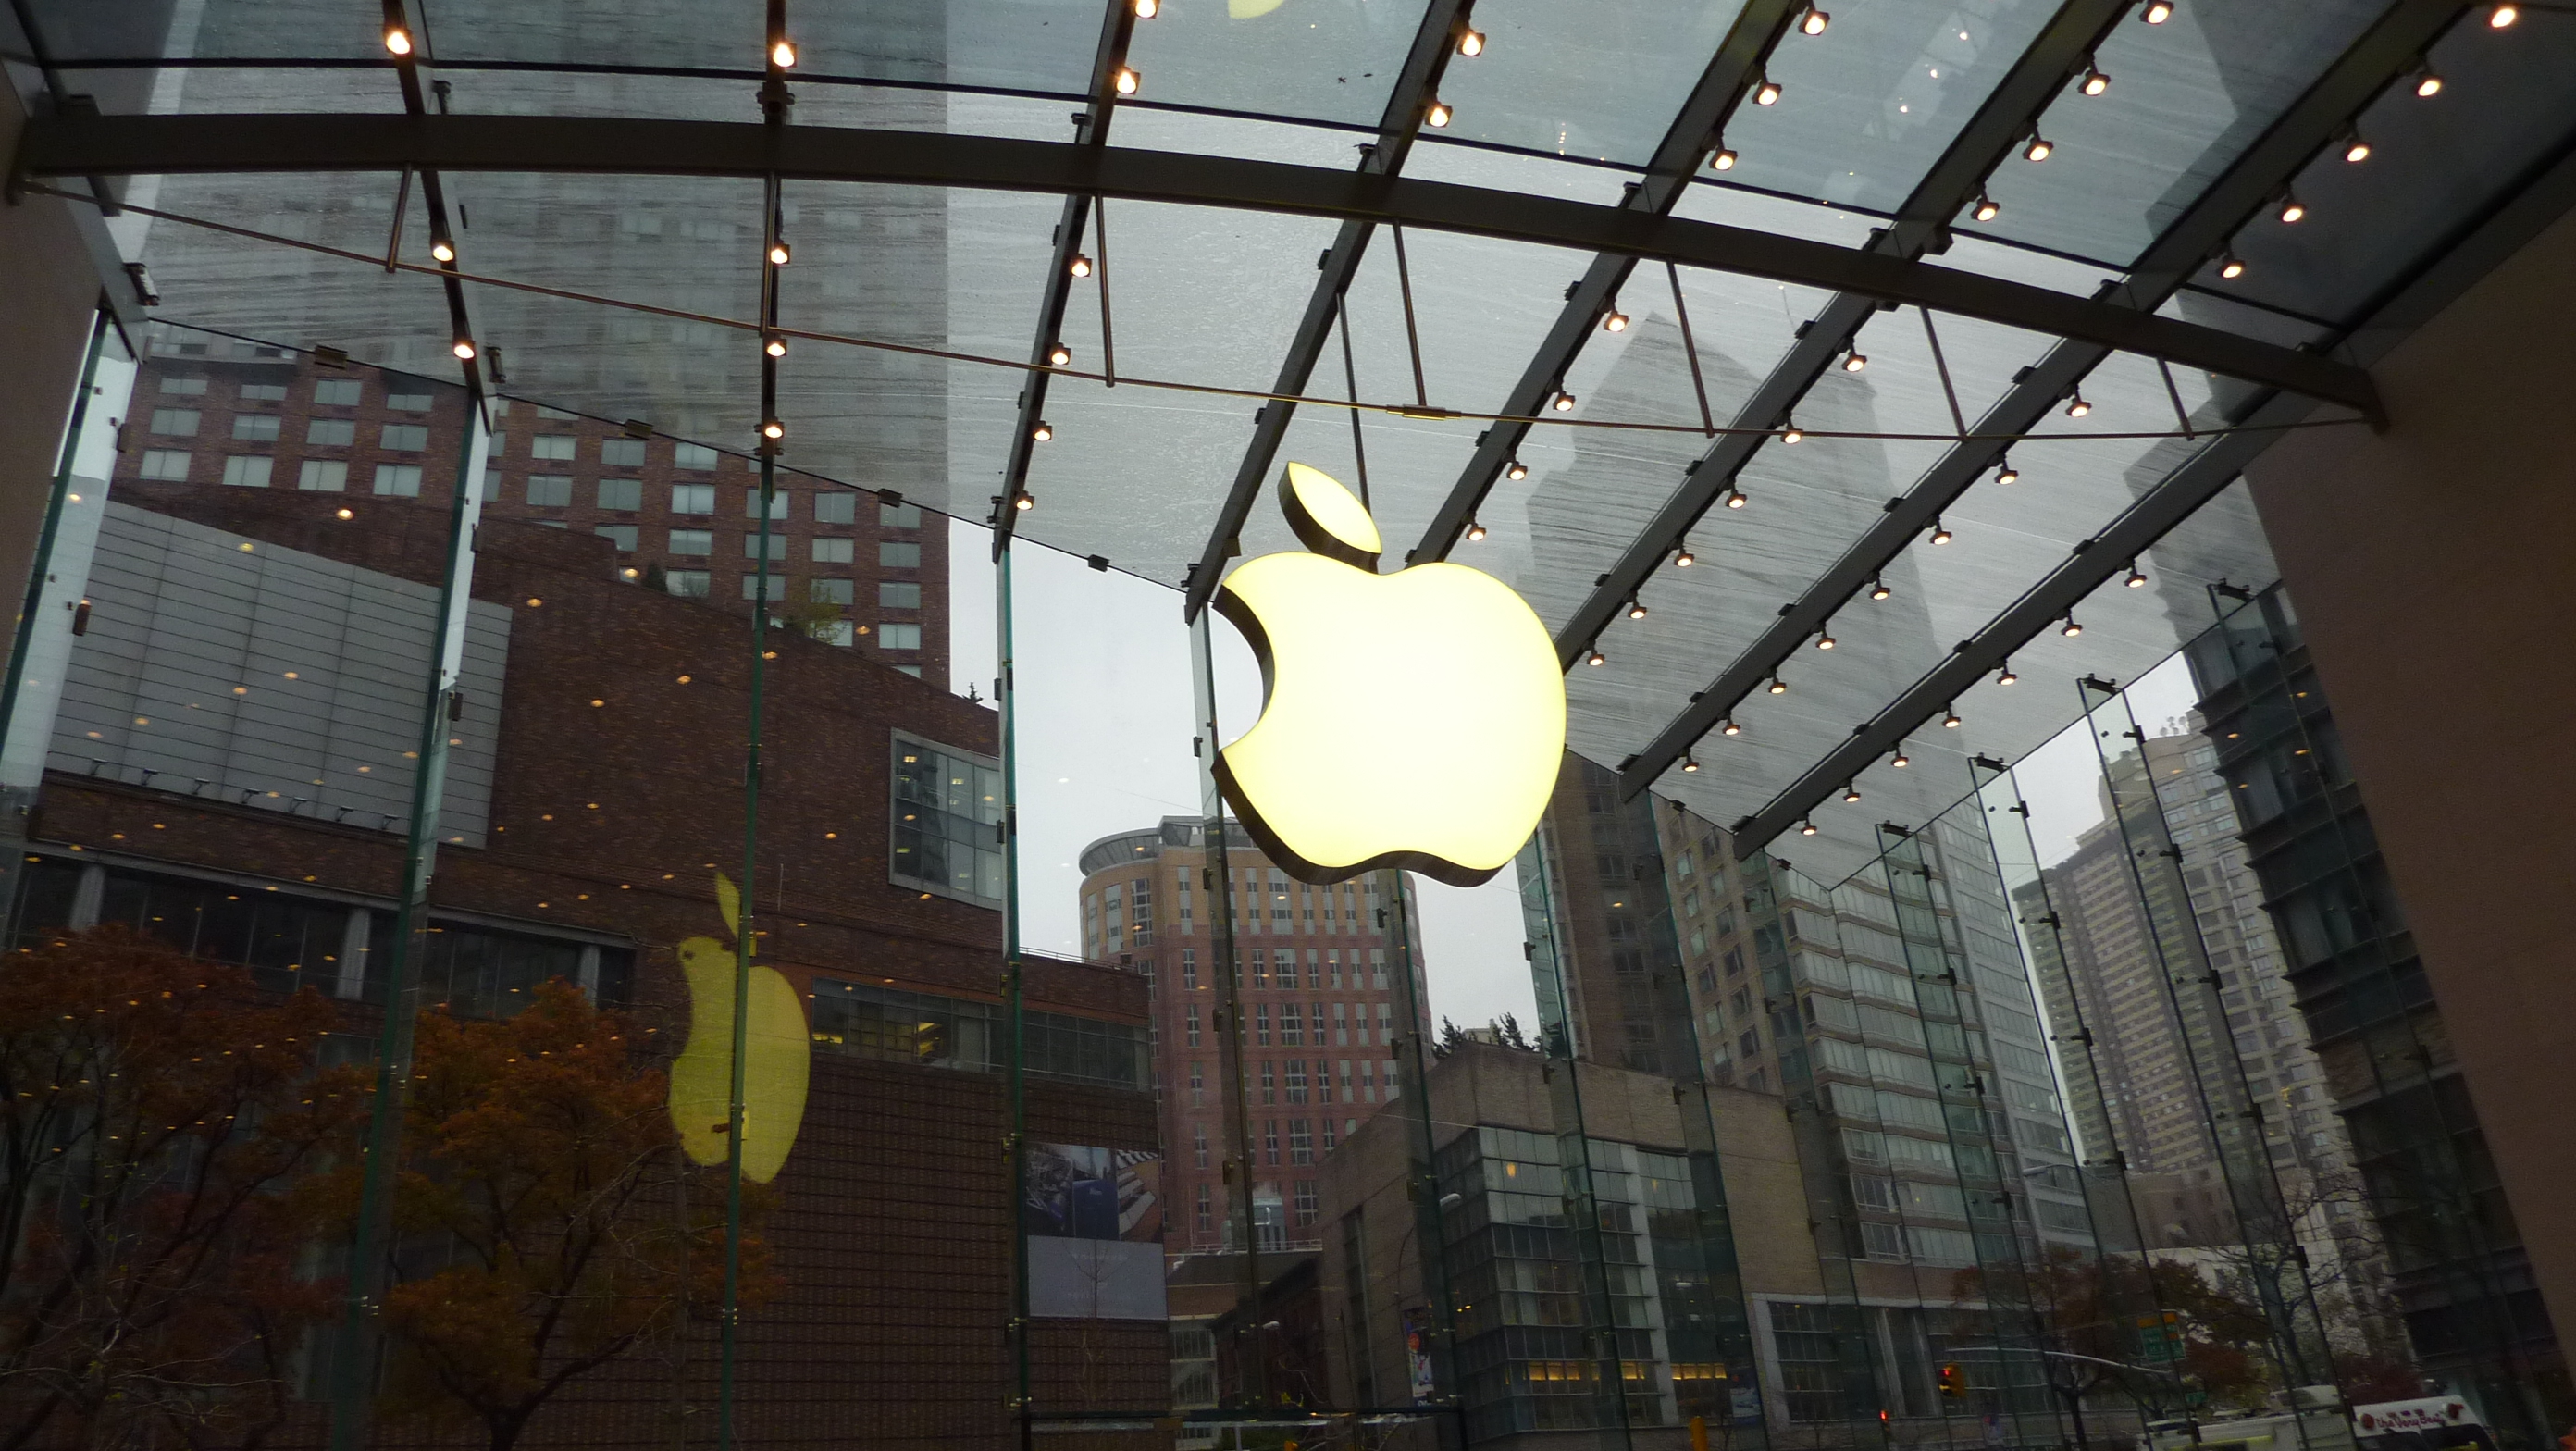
x=2431, y=566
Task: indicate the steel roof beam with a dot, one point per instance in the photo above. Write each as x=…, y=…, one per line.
x=1117, y=25
x=1687, y=142
x=2379, y=57
x=1416, y=86
x=200, y=144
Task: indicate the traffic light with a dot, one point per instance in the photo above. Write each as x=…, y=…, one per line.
x=1952, y=1388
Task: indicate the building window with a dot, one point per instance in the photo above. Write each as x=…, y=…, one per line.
x=338, y=392
x=1198, y=1087
x=408, y=437
x=898, y=637
x=831, y=591
x=176, y=422
x=1206, y=1210
x=694, y=456
x=777, y=546
x=263, y=392
x=947, y=812
x=1306, y=1201
x=552, y=446
x=1269, y=1083
x=623, y=534
x=322, y=476
x=1270, y=1141
x=1261, y=1024
x=693, y=541
x=1296, y=1080
x=777, y=587
x=400, y=481
x=1198, y=1145
x=1301, y=1141
x=408, y=402
x=693, y=498
x=255, y=427
x=688, y=584
x=898, y=595
x=836, y=508
x=623, y=496
x=1292, y=1024
x=1190, y=969
x=550, y=491
x=898, y=554
x=194, y=387
x=778, y=502
x=556, y=414
x=833, y=551
x=899, y=516
x=165, y=463
x=334, y=431
x=246, y=471
x=495, y=445
x=1193, y=1026
x=621, y=453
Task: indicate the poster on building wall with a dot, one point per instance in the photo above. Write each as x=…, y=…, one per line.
x=1417, y=1355
x=1094, y=1219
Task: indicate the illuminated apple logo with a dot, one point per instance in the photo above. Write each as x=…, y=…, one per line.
x=1413, y=719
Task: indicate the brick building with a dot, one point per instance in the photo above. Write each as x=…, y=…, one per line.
x=229, y=731
x=861, y=567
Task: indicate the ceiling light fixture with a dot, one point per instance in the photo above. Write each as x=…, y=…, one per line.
x=1690, y=765
x=1730, y=728
x=442, y=250
x=1986, y=210
x=1949, y=717
x=1878, y=590
x=1438, y=115
x=1779, y=686
x=398, y=40
x=779, y=253
x=1722, y=159
x=1516, y=470
x=1043, y=431
x=2096, y=81
x=2005, y=473
x=2292, y=209
x=2157, y=12
x=782, y=54
x=1081, y=265
x=2428, y=82
x=1736, y=498
x=1683, y=558
x=1851, y=792
x=1807, y=827
x=1940, y=532
x=1148, y=9
x=1636, y=608
x=1059, y=355
x=1614, y=321
x=2137, y=577
x=1475, y=531
x=1471, y=43
x=2070, y=629
x=1024, y=501
x=1900, y=760
x=773, y=429
x=2038, y=149
x=1126, y=82
x=2355, y=149
x=1766, y=92
x=1792, y=434
x=2230, y=266
x=774, y=345
x=1824, y=640
x=1596, y=657
x=2007, y=677
x=1563, y=402
x=1815, y=21
x=2501, y=17
x=464, y=347
x=2076, y=407
x=1855, y=360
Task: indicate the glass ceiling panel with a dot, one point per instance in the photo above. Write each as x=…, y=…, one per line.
x=1866, y=107
x=2186, y=98
x=1323, y=62
x=1602, y=82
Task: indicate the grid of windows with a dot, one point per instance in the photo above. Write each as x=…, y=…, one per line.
x=400, y=481
x=947, y=817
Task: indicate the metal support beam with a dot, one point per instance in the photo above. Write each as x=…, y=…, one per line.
x=2380, y=56
x=1416, y=86
x=1687, y=142
x=134, y=145
x=1109, y=59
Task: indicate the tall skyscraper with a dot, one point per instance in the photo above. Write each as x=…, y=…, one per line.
x=1322, y=1013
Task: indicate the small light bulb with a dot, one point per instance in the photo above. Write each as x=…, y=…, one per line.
x=2428, y=83
x=1880, y=591
x=1730, y=728
x=1471, y=43
x=1059, y=355
x=1438, y=115
x=1807, y=828
x=1940, y=532
x=2007, y=474
x=2503, y=16
x=2137, y=578
x=442, y=250
x=2038, y=149
x=2007, y=677
x=1723, y=159
x=2076, y=407
x=1148, y=9
x=1736, y=499
x=1986, y=210
x=1901, y=761
x=2292, y=209
x=2158, y=12
x=1081, y=265
x=1683, y=558
x=1615, y=322
x=2355, y=149
x=1024, y=501
x=1851, y=792
x=2095, y=82
x=1596, y=658
x=1824, y=642
x=1516, y=470
x=398, y=40
x=1814, y=21
x=1126, y=81
x=1950, y=720
x=1475, y=531
x=1855, y=361
x=1690, y=765
x=2231, y=267
x=776, y=347
x=1043, y=431
x=1563, y=402
x=779, y=253
x=348, y=513
x=782, y=54
x=1636, y=609
x=1779, y=686
x=2070, y=629
x=464, y=348
x=1792, y=434
x=1767, y=93
x=773, y=429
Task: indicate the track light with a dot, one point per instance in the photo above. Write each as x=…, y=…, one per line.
x=1851, y=792
x=2355, y=149
x=774, y=345
x=1949, y=717
x=1126, y=81
x=782, y=54
x=1730, y=728
x=1807, y=827
x=442, y=250
x=2005, y=473
x=1438, y=115
x=464, y=347
x=1735, y=498
x=1043, y=432
x=2157, y=12
x=1766, y=92
x=398, y=40
x=2292, y=209
x=2096, y=81
x=1793, y=434
x=1722, y=159
x=1940, y=532
x=1900, y=760
x=1148, y=9
x=1475, y=531
x=779, y=253
x=1779, y=686
x=2503, y=16
x=1986, y=210
x=2070, y=629
x=1878, y=590
x=1614, y=321
x=1824, y=640
x=1563, y=402
x=1855, y=360
x=2230, y=266
x=1636, y=608
x=2428, y=82
x=2076, y=407
x=2007, y=677
x=2137, y=577
x=1024, y=501
x=1815, y=21
x=1596, y=657
x=2038, y=149
x=773, y=430
x=1059, y=355
x=1471, y=43
x=1683, y=558
x=1081, y=265
x=1690, y=765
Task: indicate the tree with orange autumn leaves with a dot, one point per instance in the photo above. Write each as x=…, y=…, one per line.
x=541, y=1167
x=166, y=1138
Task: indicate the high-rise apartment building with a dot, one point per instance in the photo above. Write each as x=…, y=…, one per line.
x=1322, y=1013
